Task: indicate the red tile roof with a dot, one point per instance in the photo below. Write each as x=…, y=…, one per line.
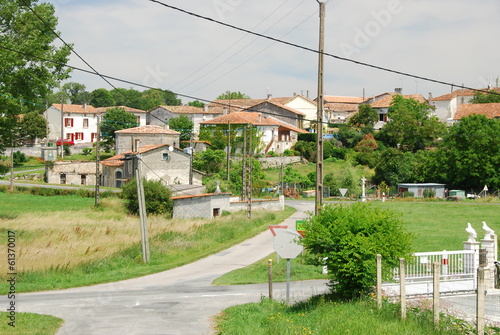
x=199, y=195
x=127, y=109
x=386, y=101
x=462, y=92
x=491, y=110
x=344, y=100
x=117, y=160
x=81, y=109
x=186, y=110
x=150, y=129
x=257, y=119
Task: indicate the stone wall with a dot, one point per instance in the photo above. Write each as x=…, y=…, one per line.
x=260, y=204
x=275, y=162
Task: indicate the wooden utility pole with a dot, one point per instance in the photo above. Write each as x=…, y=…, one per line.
x=97, y=162
x=319, y=123
x=191, y=158
x=228, y=148
x=244, y=166
x=249, y=183
x=142, y=210
x=11, y=188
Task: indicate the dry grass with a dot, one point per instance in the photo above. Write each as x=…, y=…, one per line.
x=63, y=240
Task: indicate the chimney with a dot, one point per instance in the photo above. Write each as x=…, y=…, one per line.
x=260, y=117
x=398, y=90
x=430, y=97
x=205, y=108
x=269, y=96
x=84, y=105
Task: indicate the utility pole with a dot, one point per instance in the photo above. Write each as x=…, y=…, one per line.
x=228, y=147
x=249, y=183
x=142, y=210
x=97, y=162
x=244, y=166
x=319, y=123
x=191, y=158
x=62, y=128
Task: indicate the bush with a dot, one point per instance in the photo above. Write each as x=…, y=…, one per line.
x=350, y=237
x=19, y=158
x=272, y=154
x=158, y=197
x=429, y=193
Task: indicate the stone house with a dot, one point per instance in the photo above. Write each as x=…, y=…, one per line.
x=71, y=173
x=382, y=103
x=162, y=114
x=130, y=139
x=162, y=162
x=338, y=109
x=205, y=206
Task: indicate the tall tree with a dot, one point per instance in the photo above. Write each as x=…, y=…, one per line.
x=27, y=50
x=183, y=125
x=76, y=93
x=366, y=117
x=101, y=97
x=469, y=156
x=32, y=126
x=232, y=95
x=116, y=119
x=411, y=125
x=160, y=97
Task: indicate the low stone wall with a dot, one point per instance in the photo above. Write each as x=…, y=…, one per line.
x=275, y=162
x=37, y=150
x=260, y=204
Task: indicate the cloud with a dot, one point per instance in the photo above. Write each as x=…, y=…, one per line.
x=143, y=42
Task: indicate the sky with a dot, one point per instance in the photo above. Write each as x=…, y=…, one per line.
x=143, y=42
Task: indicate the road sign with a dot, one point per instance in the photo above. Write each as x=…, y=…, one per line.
x=285, y=243
x=300, y=227
x=343, y=191
x=273, y=229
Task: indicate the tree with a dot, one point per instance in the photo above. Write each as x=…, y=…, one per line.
x=232, y=95
x=366, y=117
x=183, y=125
x=101, y=97
x=411, y=125
x=350, y=237
x=485, y=98
x=196, y=103
x=130, y=98
x=76, y=93
x=154, y=98
x=32, y=126
x=116, y=119
x=349, y=136
x=31, y=66
x=394, y=166
x=469, y=156
x=158, y=197
x=209, y=161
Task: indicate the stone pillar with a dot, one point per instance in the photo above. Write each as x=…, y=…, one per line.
x=489, y=269
x=363, y=194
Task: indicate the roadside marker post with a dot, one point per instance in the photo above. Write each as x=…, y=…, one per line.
x=285, y=244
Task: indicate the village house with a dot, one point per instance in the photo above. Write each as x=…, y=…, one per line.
x=162, y=114
x=490, y=110
x=78, y=123
x=71, y=173
x=339, y=109
x=276, y=135
x=163, y=162
x=447, y=105
x=382, y=103
x=132, y=138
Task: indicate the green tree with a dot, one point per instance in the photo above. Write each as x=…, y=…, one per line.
x=366, y=117
x=154, y=98
x=32, y=126
x=469, y=156
x=101, y=97
x=485, y=98
x=196, y=103
x=116, y=119
x=349, y=136
x=25, y=41
x=393, y=167
x=130, y=98
x=76, y=93
x=209, y=161
x=158, y=197
x=350, y=237
x=232, y=95
x=183, y=125
x=411, y=125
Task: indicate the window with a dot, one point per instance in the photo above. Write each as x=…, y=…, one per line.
x=85, y=123
x=63, y=178
x=68, y=122
x=216, y=212
x=84, y=179
x=139, y=119
x=79, y=136
x=166, y=156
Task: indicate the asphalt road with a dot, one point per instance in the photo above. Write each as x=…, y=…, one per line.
x=180, y=301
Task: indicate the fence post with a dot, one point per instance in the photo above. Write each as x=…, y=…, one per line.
x=435, y=303
x=480, y=301
x=270, y=277
x=444, y=262
x=402, y=287
x=379, y=281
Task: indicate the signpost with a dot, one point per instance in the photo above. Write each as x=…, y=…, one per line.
x=285, y=244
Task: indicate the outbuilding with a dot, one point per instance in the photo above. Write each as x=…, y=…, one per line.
x=419, y=189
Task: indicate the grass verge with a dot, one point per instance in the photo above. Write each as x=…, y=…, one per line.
x=321, y=315
x=30, y=324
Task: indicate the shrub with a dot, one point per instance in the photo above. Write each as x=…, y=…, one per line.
x=350, y=237
x=272, y=154
x=158, y=197
x=19, y=158
x=429, y=193
x=86, y=151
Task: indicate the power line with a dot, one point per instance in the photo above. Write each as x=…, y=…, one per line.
x=307, y=48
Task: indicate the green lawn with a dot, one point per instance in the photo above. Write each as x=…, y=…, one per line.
x=30, y=324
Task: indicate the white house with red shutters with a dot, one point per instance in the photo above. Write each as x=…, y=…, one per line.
x=79, y=122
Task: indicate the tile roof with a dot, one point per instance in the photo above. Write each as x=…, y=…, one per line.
x=280, y=105
x=341, y=107
x=341, y=99
x=386, y=101
x=186, y=110
x=491, y=110
x=150, y=129
x=257, y=119
x=462, y=92
x=127, y=109
x=81, y=109
x=237, y=105
x=199, y=195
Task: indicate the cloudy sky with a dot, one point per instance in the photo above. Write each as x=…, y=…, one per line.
x=454, y=41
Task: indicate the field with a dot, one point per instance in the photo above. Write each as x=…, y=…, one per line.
x=64, y=241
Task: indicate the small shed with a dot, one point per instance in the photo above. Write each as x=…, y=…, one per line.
x=207, y=205
x=457, y=193
x=419, y=189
